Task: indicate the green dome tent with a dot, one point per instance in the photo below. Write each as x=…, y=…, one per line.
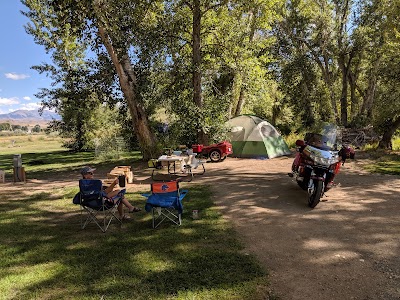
x=253, y=137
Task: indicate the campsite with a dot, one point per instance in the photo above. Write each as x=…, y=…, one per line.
x=180, y=150
x=255, y=237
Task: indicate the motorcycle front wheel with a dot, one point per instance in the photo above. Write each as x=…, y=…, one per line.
x=316, y=194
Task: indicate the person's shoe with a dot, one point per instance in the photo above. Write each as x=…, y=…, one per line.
x=135, y=209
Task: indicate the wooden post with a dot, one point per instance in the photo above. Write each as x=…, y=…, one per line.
x=19, y=174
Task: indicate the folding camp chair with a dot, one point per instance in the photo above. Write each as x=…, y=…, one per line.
x=98, y=207
x=165, y=202
x=193, y=163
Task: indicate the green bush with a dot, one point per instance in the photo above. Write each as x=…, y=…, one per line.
x=396, y=143
x=292, y=138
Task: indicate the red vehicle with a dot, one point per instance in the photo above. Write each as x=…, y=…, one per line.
x=318, y=161
x=216, y=152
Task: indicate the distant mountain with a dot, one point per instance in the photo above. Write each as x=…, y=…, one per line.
x=32, y=117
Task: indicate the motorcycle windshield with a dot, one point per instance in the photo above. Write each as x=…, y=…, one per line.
x=326, y=139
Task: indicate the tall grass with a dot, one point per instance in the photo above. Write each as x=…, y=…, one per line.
x=29, y=144
x=43, y=155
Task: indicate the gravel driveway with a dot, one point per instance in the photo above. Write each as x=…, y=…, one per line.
x=345, y=248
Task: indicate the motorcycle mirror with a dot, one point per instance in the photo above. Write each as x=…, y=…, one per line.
x=300, y=143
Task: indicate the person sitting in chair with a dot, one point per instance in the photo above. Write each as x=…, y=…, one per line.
x=88, y=173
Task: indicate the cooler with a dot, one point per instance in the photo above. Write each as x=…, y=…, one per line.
x=197, y=148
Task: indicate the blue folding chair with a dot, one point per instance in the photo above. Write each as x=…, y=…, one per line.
x=165, y=202
x=99, y=209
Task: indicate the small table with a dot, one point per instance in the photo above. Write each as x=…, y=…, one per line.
x=171, y=159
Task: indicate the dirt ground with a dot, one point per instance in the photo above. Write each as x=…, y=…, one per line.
x=345, y=248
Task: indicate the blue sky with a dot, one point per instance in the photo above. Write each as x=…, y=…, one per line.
x=18, y=53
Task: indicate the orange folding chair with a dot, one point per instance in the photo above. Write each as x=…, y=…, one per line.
x=165, y=202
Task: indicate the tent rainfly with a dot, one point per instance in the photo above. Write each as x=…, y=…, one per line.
x=253, y=137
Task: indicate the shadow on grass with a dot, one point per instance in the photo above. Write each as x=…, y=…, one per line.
x=43, y=164
x=62, y=163
x=385, y=162
x=46, y=255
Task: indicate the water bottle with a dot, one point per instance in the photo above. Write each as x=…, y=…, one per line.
x=121, y=181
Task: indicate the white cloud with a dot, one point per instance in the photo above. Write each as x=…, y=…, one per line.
x=27, y=98
x=9, y=101
x=30, y=106
x=15, y=76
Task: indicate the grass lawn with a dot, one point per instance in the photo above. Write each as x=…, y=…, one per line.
x=384, y=162
x=45, y=254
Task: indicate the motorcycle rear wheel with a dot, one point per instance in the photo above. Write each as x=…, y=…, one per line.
x=315, y=197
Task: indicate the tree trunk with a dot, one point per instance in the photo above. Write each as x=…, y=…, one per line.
x=353, y=98
x=386, y=141
x=196, y=59
x=368, y=98
x=369, y=94
x=79, y=132
x=127, y=81
x=242, y=99
x=240, y=102
x=324, y=65
x=229, y=112
x=343, y=98
x=342, y=11
x=308, y=115
x=236, y=84
x=345, y=77
x=196, y=65
x=327, y=76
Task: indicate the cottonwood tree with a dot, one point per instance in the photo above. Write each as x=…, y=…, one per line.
x=189, y=29
x=311, y=23
x=122, y=29
x=387, y=104
x=304, y=63
x=218, y=52
x=70, y=94
x=345, y=52
x=243, y=39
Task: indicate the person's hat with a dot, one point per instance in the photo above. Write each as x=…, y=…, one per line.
x=87, y=169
